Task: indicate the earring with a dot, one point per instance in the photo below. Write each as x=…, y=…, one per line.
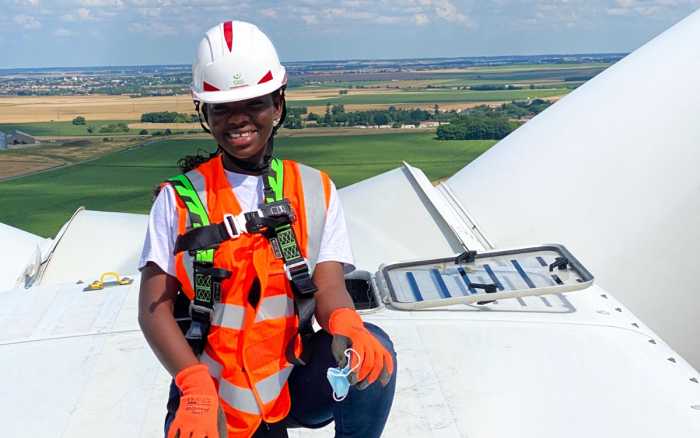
x=275, y=122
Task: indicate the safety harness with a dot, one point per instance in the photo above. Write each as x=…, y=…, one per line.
x=274, y=220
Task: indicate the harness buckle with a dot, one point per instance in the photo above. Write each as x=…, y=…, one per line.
x=200, y=313
x=231, y=228
x=296, y=268
x=278, y=209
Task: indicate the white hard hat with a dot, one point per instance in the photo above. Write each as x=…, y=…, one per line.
x=235, y=61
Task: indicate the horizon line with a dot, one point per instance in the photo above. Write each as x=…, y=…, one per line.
x=333, y=60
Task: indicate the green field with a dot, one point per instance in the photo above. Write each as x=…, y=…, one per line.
x=539, y=67
x=65, y=129
x=60, y=129
x=123, y=181
x=423, y=97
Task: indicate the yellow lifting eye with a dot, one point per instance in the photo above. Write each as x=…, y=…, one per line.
x=101, y=283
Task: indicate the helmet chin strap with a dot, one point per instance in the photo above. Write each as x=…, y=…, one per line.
x=253, y=168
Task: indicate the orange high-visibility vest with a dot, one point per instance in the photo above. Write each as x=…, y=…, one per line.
x=246, y=345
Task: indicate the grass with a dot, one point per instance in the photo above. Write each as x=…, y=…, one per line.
x=123, y=181
x=432, y=97
x=64, y=129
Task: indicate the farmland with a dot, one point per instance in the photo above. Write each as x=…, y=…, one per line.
x=122, y=181
x=53, y=115
x=26, y=109
x=79, y=165
x=431, y=97
x=401, y=83
x=61, y=129
x=18, y=162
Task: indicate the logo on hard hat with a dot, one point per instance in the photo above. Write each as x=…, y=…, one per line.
x=237, y=80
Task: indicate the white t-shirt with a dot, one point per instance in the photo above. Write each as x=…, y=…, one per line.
x=163, y=224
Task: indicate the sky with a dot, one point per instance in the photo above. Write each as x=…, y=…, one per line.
x=57, y=33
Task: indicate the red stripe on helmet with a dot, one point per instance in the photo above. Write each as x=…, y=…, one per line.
x=209, y=87
x=228, y=34
x=266, y=78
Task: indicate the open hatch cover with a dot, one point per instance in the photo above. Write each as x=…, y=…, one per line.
x=480, y=278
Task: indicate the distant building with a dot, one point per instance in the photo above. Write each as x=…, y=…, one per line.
x=18, y=137
x=3, y=143
x=431, y=124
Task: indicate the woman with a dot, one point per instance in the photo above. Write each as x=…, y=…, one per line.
x=248, y=363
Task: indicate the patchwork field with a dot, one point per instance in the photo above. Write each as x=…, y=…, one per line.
x=123, y=181
x=16, y=162
x=431, y=97
x=99, y=107
x=64, y=129
x=56, y=112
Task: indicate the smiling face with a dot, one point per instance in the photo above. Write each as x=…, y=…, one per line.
x=243, y=128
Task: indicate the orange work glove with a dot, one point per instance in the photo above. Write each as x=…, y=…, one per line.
x=196, y=417
x=375, y=360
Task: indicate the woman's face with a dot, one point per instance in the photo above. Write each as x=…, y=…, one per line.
x=243, y=128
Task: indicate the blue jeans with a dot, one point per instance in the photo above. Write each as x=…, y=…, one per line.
x=362, y=414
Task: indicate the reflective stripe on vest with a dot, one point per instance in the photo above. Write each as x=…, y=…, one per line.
x=228, y=316
x=315, y=202
x=197, y=180
x=280, y=306
x=215, y=368
x=238, y=397
x=231, y=316
x=270, y=387
x=241, y=398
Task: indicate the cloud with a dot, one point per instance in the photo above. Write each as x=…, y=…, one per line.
x=446, y=10
x=149, y=12
x=647, y=8
x=102, y=3
x=269, y=13
x=27, y=21
x=63, y=32
x=421, y=19
x=310, y=19
x=154, y=28
x=413, y=12
x=84, y=14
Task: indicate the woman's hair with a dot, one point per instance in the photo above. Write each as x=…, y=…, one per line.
x=189, y=162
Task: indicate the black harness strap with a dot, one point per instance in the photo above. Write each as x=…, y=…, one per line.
x=207, y=279
x=284, y=241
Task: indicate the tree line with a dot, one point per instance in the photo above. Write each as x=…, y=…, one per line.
x=336, y=116
x=489, y=123
x=168, y=117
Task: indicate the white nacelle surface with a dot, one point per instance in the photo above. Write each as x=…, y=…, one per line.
x=94, y=242
x=579, y=365
x=20, y=250
x=611, y=171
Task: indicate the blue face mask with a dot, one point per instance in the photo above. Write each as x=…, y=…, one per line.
x=338, y=377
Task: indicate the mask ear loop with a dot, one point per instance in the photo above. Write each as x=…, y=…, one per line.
x=348, y=353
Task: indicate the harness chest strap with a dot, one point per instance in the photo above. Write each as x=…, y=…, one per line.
x=212, y=235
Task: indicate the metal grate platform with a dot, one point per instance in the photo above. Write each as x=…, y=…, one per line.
x=490, y=276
